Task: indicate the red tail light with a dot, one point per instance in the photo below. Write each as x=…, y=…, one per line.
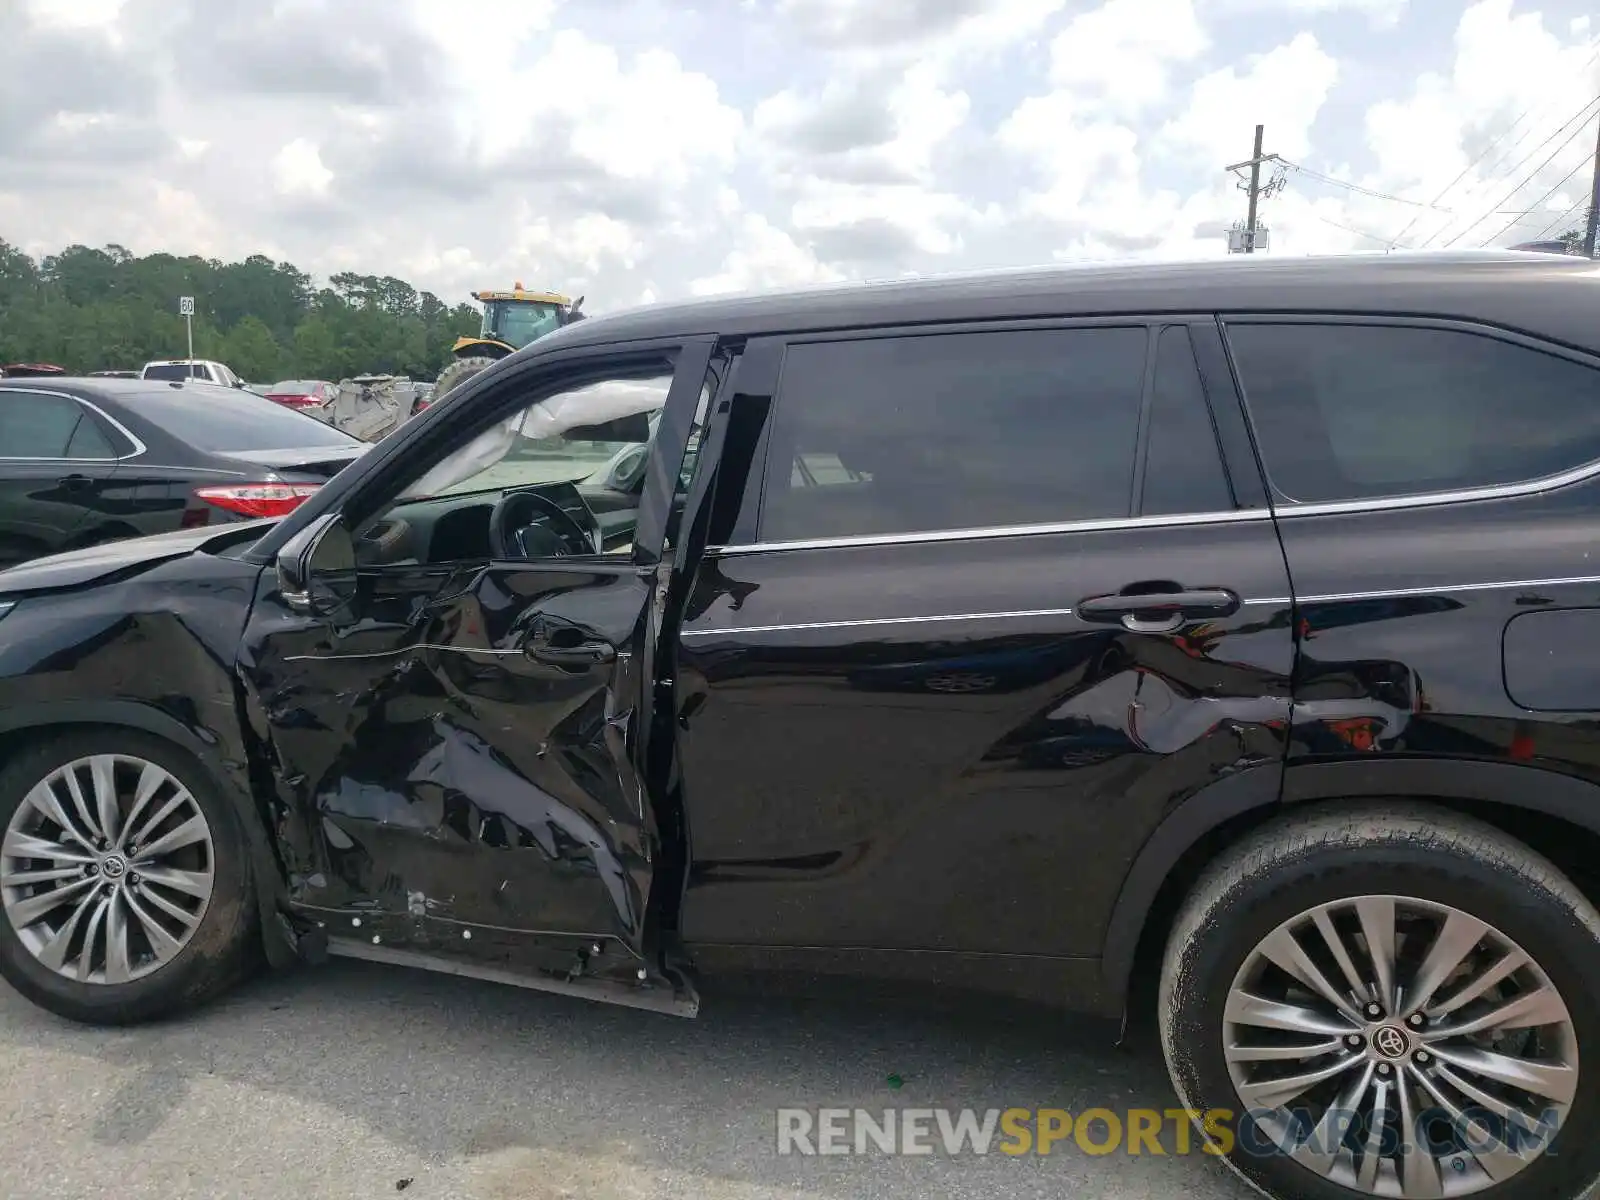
x=292, y=401
x=258, y=499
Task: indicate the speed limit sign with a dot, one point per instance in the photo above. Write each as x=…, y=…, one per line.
x=186, y=306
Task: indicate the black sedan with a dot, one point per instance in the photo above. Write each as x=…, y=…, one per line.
x=86, y=461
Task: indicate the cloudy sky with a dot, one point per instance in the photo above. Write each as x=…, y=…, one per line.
x=641, y=149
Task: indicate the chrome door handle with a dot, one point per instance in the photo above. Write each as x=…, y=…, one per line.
x=583, y=654
x=1158, y=612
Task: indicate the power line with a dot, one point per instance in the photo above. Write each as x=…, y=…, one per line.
x=1513, y=223
x=1352, y=229
x=1484, y=153
x=1356, y=187
x=1558, y=222
x=1534, y=174
x=1575, y=122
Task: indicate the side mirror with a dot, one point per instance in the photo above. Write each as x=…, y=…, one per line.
x=317, y=568
x=626, y=472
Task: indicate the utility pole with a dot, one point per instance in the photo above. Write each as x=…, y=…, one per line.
x=1244, y=239
x=1255, y=194
x=1594, y=201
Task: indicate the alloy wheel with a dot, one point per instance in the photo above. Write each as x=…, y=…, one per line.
x=1400, y=1047
x=106, y=869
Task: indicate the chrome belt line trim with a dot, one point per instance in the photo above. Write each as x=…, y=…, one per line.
x=1385, y=594
x=1177, y=520
x=1497, y=491
x=1440, y=589
x=994, y=616
x=397, y=650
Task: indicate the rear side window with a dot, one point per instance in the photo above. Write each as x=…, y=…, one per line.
x=219, y=422
x=88, y=441
x=37, y=426
x=954, y=431
x=1353, y=412
x=1183, y=464
x=178, y=371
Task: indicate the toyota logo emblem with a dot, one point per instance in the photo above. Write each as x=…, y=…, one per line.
x=113, y=866
x=1390, y=1042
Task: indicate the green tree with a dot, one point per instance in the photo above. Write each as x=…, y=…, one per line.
x=252, y=351
x=1574, y=239
x=91, y=309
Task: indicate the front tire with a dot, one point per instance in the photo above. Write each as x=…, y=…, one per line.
x=124, y=879
x=1389, y=1001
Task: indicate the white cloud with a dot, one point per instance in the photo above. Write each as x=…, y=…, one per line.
x=1072, y=151
x=1289, y=83
x=1125, y=49
x=583, y=246
x=764, y=257
x=75, y=14
x=643, y=150
x=298, y=170
x=645, y=119
x=1504, y=107
x=1380, y=14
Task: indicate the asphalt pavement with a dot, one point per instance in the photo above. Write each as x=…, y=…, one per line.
x=359, y=1080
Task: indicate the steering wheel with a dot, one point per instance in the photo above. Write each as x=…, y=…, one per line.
x=528, y=525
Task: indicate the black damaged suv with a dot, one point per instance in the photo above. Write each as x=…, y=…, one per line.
x=1003, y=632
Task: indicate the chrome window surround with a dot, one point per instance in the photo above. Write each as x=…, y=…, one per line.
x=1286, y=506
x=1282, y=510
x=1504, y=491
x=138, y=446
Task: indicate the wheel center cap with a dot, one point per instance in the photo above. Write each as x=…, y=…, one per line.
x=1390, y=1041
x=113, y=866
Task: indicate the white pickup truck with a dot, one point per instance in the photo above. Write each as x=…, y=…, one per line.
x=191, y=368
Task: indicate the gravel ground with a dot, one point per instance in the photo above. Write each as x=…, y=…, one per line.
x=358, y=1080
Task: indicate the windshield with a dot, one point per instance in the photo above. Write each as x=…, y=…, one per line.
x=176, y=371
x=220, y=421
x=565, y=438
x=518, y=323
x=295, y=387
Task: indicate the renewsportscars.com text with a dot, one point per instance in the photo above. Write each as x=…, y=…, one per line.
x=1137, y=1131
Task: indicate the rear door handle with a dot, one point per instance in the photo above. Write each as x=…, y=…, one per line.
x=1159, y=612
x=74, y=483
x=583, y=654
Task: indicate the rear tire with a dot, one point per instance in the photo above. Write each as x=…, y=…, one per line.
x=1439, y=889
x=457, y=373
x=135, y=931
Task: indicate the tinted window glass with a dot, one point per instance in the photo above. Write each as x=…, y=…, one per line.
x=1346, y=412
x=954, y=431
x=178, y=371
x=1183, y=466
x=217, y=421
x=36, y=426
x=88, y=441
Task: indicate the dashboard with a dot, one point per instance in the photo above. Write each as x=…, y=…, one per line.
x=456, y=528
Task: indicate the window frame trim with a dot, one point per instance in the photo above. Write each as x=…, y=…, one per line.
x=1284, y=509
x=1152, y=322
x=1194, y=332
x=138, y=446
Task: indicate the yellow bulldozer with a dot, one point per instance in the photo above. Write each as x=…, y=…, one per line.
x=510, y=321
